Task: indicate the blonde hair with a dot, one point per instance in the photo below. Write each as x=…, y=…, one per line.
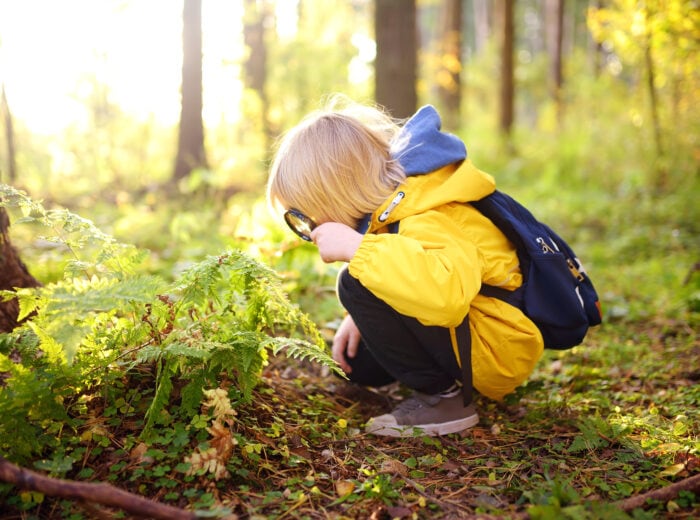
x=336, y=165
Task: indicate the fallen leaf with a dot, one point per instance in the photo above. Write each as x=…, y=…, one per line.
x=672, y=470
x=344, y=487
x=393, y=466
x=137, y=453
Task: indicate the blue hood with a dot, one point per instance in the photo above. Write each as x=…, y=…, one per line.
x=423, y=148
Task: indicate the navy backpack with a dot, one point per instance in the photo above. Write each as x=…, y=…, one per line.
x=556, y=293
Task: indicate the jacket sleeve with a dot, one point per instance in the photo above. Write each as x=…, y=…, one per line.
x=429, y=270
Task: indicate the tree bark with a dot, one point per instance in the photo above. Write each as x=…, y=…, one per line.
x=13, y=274
x=663, y=494
x=396, y=63
x=190, y=148
x=99, y=493
x=507, y=75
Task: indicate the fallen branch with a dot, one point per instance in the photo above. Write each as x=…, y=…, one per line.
x=100, y=493
x=663, y=494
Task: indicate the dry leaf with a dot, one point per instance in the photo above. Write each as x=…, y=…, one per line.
x=672, y=470
x=393, y=466
x=222, y=441
x=219, y=401
x=208, y=461
x=94, y=426
x=344, y=487
x=138, y=452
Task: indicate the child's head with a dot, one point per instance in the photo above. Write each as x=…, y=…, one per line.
x=336, y=165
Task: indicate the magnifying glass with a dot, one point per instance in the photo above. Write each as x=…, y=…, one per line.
x=299, y=223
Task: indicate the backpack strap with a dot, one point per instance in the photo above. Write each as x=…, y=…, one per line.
x=514, y=297
x=464, y=343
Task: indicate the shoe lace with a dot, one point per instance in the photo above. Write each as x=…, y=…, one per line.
x=414, y=402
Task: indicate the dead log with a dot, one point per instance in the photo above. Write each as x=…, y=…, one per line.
x=663, y=494
x=13, y=274
x=90, y=492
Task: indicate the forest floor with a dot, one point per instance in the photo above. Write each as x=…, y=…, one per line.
x=593, y=427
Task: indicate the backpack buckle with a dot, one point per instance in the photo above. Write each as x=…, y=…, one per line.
x=574, y=270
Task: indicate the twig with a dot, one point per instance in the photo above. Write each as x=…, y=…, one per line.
x=89, y=492
x=452, y=507
x=663, y=494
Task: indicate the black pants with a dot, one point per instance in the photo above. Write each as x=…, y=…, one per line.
x=394, y=346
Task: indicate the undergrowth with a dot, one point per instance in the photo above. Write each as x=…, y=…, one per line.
x=576, y=439
x=104, y=323
x=174, y=390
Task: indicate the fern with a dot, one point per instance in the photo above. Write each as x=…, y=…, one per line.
x=594, y=434
x=92, y=251
x=97, y=294
x=66, y=310
x=298, y=349
x=106, y=319
x=164, y=388
x=229, y=309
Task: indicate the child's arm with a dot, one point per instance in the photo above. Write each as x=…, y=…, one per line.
x=431, y=270
x=345, y=343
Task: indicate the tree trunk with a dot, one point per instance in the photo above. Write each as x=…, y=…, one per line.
x=190, y=148
x=507, y=76
x=256, y=16
x=9, y=139
x=482, y=23
x=450, y=84
x=595, y=48
x=396, y=63
x=554, y=23
x=13, y=274
x=653, y=101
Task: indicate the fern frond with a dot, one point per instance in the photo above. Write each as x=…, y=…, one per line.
x=29, y=299
x=94, y=251
x=192, y=393
x=303, y=350
x=80, y=295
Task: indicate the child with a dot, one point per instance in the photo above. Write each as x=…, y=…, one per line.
x=391, y=201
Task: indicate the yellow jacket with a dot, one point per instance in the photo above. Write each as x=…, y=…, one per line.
x=433, y=267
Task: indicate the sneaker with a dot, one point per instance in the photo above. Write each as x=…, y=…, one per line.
x=425, y=414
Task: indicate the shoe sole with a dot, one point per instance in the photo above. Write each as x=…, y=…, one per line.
x=432, y=430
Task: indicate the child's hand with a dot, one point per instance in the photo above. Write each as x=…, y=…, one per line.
x=345, y=343
x=336, y=242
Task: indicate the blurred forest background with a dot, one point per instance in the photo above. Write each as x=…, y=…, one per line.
x=156, y=121
x=599, y=96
